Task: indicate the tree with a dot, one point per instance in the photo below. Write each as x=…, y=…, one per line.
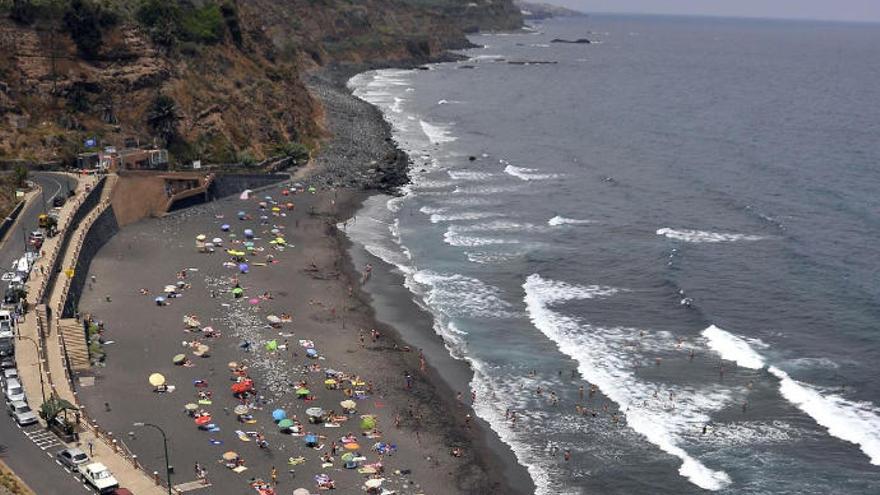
x=162, y=118
x=82, y=20
x=21, y=175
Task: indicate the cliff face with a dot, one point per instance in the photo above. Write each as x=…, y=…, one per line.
x=213, y=79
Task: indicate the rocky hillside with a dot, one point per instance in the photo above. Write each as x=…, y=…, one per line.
x=220, y=80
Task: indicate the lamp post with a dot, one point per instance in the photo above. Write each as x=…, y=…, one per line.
x=39, y=364
x=165, y=445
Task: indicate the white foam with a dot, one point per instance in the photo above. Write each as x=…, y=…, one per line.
x=397, y=106
x=463, y=215
x=461, y=240
x=602, y=362
x=733, y=348
x=699, y=236
x=468, y=175
x=456, y=295
x=493, y=226
x=527, y=174
x=437, y=134
x=854, y=422
x=558, y=220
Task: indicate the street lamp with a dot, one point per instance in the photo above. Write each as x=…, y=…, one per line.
x=165, y=445
x=39, y=364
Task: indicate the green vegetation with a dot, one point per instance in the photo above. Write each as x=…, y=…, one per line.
x=170, y=23
x=20, y=175
x=85, y=20
x=298, y=151
x=162, y=118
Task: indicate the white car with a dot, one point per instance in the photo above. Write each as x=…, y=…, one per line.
x=22, y=413
x=72, y=458
x=8, y=373
x=98, y=476
x=10, y=276
x=13, y=390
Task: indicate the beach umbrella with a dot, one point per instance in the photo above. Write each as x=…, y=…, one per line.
x=312, y=189
x=243, y=267
x=274, y=320
x=262, y=205
x=276, y=209
x=315, y=412
x=347, y=457
x=275, y=231
x=278, y=414
x=348, y=405
x=225, y=227
x=267, y=198
x=290, y=206
x=237, y=292
x=241, y=387
x=232, y=365
x=241, y=409
x=246, y=194
x=373, y=483
x=157, y=379
x=201, y=237
x=302, y=392
x=272, y=345
x=301, y=491
x=169, y=289
x=217, y=241
x=285, y=423
x=311, y=438
x=190, y=407
x=312, y=353
x=202, y=420
x=241, y=215
x=254, y=301
x=248, y=233
x=330, y=383
x=230, y=456
x=178, y=359
x=202, y=350
x=368, y=422
x=159, y=300
x=352, y=446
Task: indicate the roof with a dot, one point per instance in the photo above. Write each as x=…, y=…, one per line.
x=96, y=466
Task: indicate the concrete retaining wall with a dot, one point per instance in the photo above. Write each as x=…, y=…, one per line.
x=229, y=184
x=9, y=221
x=104, y=227
x=88, y=204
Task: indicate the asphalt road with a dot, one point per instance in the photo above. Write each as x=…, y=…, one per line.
x=29, y=451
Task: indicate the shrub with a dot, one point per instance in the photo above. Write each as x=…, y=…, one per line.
x=162, y=118
x=297, y=151
x=204, y=25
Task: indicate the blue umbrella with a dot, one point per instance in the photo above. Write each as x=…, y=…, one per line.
x=241, y=215
x=278, y=414
x=159, y=300
x=225, y=227
x=310, y=439
x=311, y=353
x=243, y=268
x=248, y=233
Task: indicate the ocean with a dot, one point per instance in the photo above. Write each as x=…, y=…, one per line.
x=657, y=251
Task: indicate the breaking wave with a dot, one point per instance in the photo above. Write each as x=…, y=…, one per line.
x=558, y=220
x=699, y=236
x=854, y=422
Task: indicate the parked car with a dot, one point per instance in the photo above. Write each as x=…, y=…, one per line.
x=72, y=458
x=121, y=491
x=98, y=476
x=8, y=374
x=36, y=239
x=13, y=390
x=58, y=201
x=21, y=412
x=7, y=361
x=9, y=277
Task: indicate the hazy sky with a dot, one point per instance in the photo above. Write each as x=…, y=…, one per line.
x=840, y=10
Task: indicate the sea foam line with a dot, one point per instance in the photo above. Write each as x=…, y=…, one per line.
x=600, y=363
x=854, y=422
x=526, y=174
x=700, y=236
x=559, y=220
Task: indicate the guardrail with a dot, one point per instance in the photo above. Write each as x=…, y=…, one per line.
x=9, y=221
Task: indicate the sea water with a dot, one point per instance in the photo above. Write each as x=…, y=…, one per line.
x=682, y=215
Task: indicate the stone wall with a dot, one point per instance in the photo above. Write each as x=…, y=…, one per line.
x=229, y=184
x=9, y=221
x=104, y=227
x=88, y=205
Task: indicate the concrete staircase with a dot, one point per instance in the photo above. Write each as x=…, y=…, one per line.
x=75, y=341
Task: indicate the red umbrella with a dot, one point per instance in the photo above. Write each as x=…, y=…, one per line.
x=203, y=420
x=242, y=387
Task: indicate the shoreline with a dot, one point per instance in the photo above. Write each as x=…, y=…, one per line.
x=445, y=373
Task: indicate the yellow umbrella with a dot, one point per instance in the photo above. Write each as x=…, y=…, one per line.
x=157, y=379
x=201, y=237
x=230, y=456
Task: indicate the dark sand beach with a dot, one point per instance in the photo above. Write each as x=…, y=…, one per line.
x=314, y=281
